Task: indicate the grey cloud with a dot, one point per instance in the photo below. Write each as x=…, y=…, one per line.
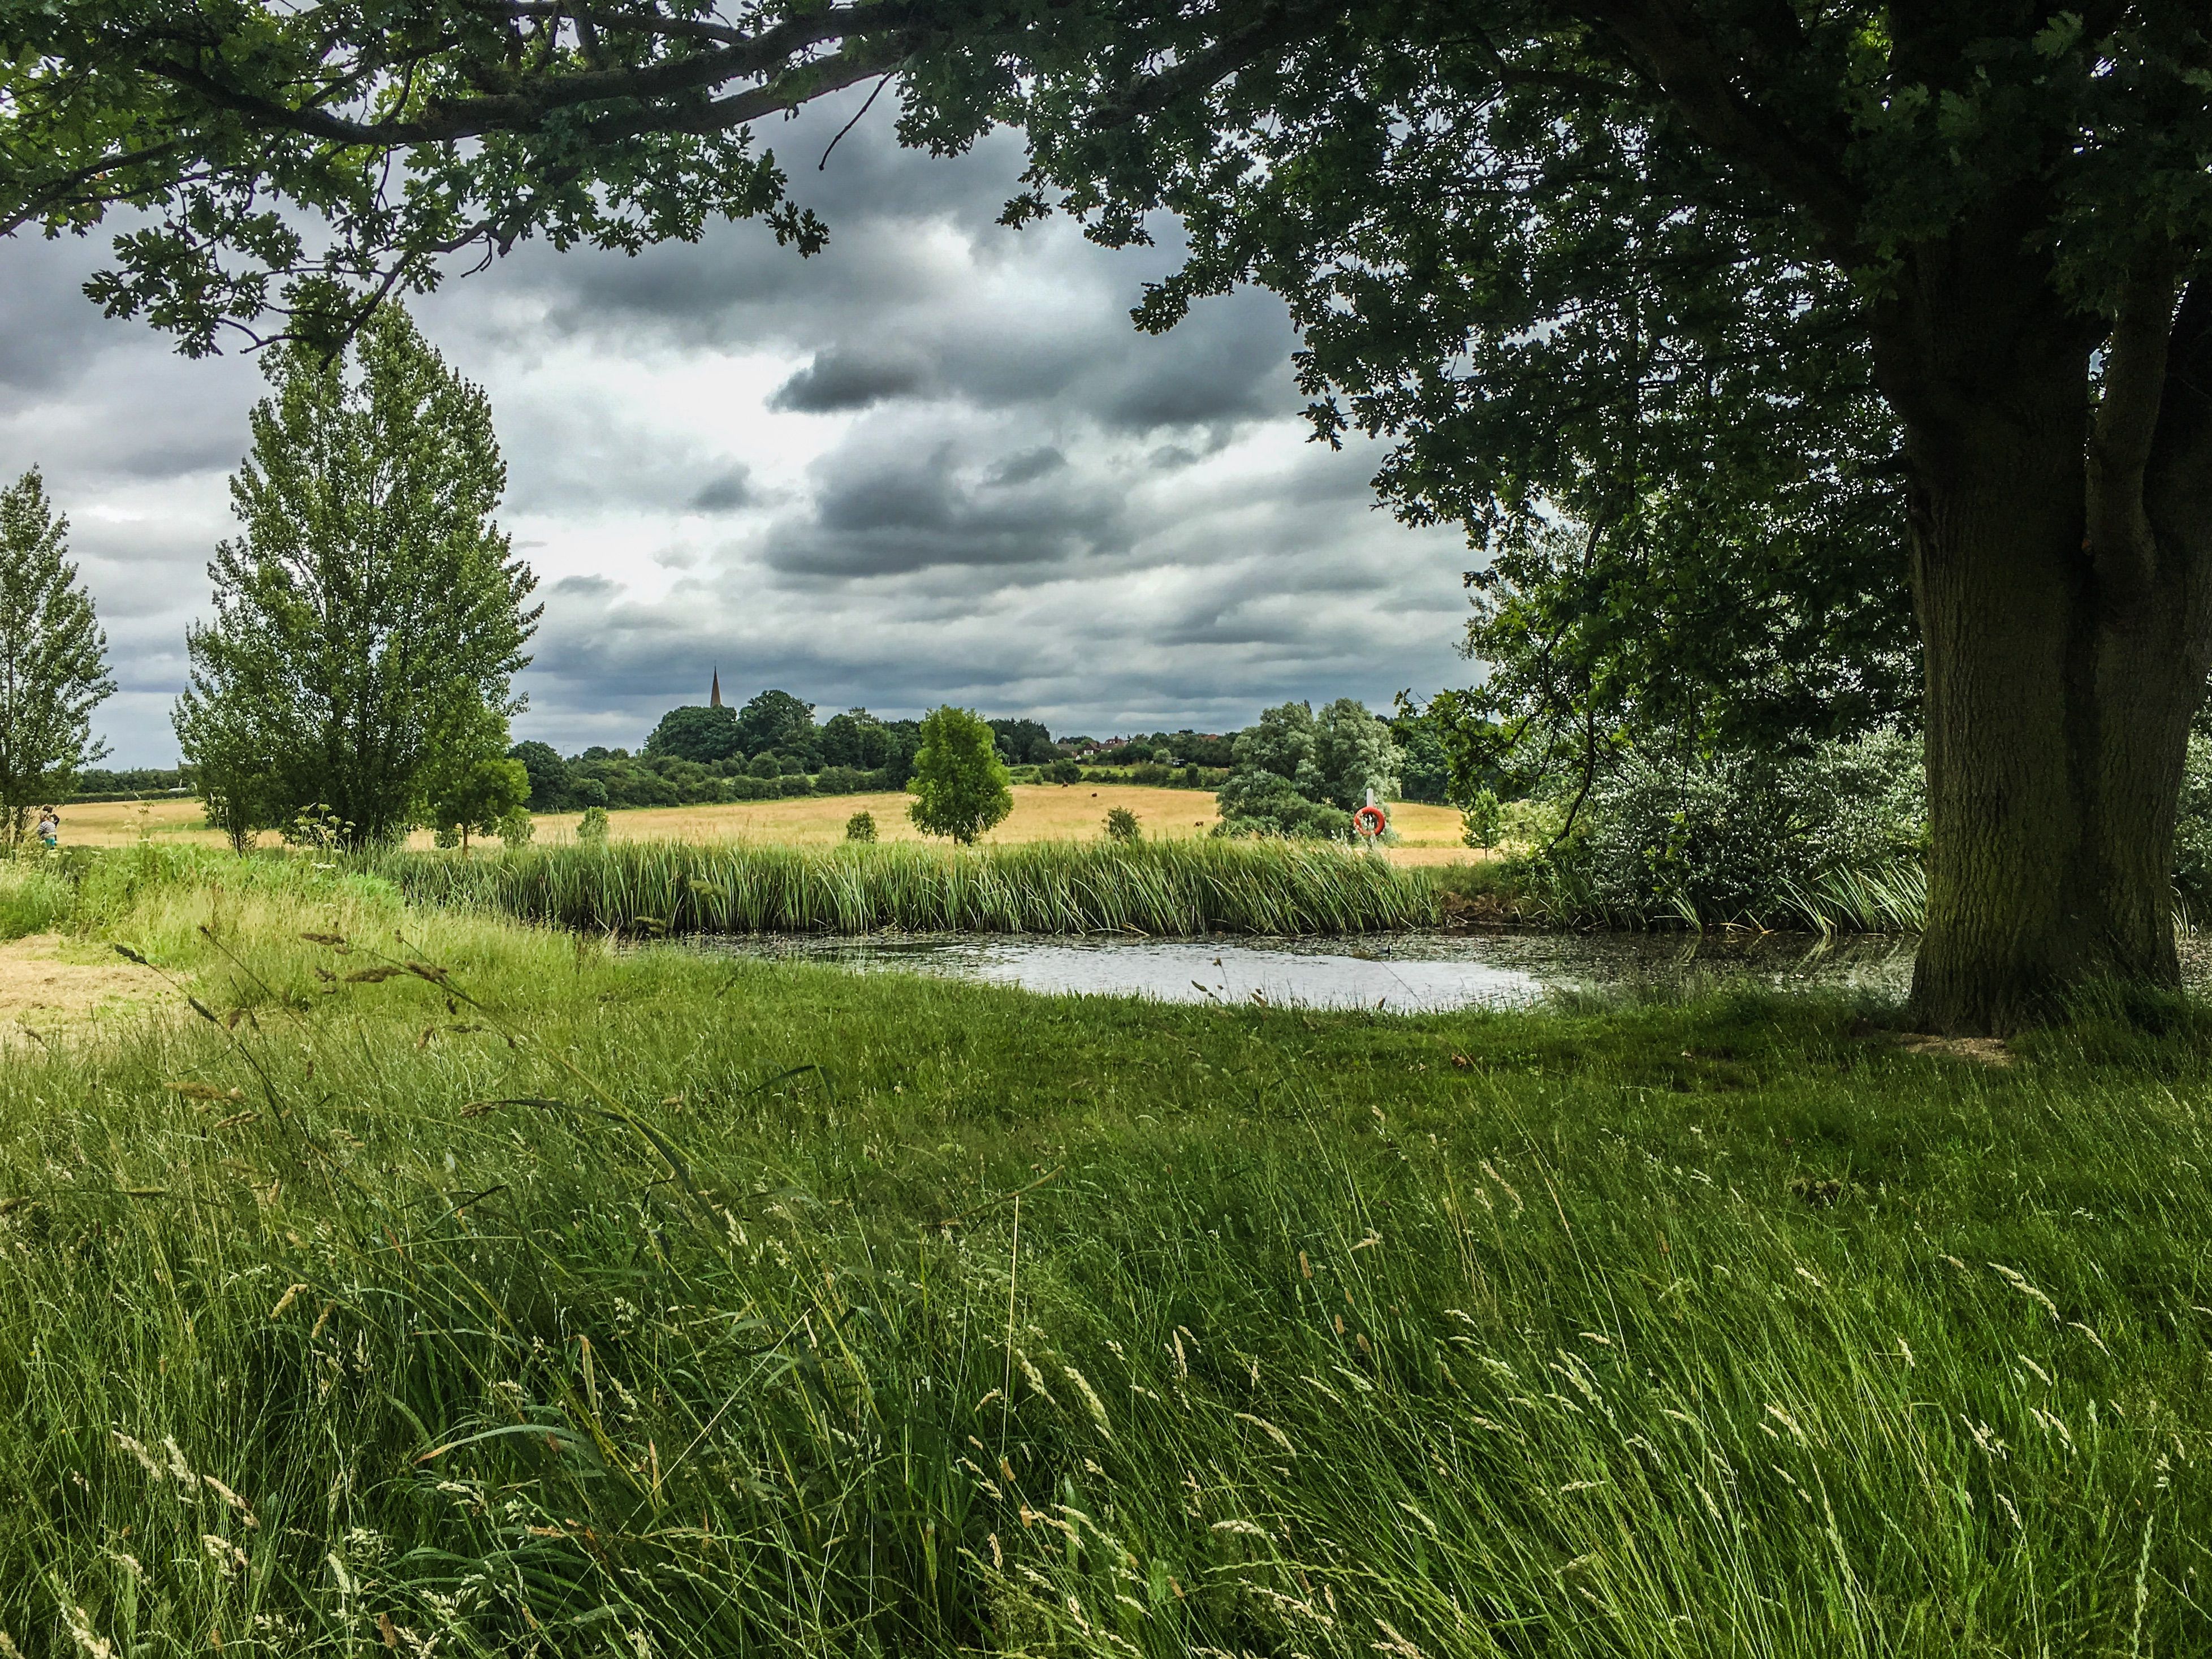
x=727, y=493
x=1028, y=466
x=885, y=506
x=840, y=380
x=1098, y=528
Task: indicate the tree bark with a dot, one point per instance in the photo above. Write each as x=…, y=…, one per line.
x=2065, y=630
x=2055, y=735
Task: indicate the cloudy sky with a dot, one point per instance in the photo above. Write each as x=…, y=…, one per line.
x=934, y=464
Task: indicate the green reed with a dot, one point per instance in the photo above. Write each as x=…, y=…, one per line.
x=1157, y=888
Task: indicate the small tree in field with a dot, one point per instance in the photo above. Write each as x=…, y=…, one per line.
x=1483, y=821
x=960, y=785
x=53, y=657
x=232, y=777
x=479, y=792
x=1121, y=825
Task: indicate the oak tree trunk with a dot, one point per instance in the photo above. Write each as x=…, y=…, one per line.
x=2060, y=531
x=2057, y=725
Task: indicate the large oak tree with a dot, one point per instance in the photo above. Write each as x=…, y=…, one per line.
x=1910, y=301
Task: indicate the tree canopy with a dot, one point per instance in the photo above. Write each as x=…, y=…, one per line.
x=696, y=733
x=960, y=785
x=53, y=657
x=369, y=620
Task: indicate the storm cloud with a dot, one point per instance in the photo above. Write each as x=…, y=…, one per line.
x=934, y=462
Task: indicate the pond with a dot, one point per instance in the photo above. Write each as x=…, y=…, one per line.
x=1400, y=973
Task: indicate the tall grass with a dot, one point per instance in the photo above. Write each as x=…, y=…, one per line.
x=543, y=1298
x=1178, y=887
x=1543, y=892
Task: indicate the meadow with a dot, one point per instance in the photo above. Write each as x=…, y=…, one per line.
x=1427, y=834
x=431, y=1282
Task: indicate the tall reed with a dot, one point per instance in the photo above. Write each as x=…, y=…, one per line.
x=1049, y=887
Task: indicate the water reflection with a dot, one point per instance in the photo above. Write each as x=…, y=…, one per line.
x=1404, y=973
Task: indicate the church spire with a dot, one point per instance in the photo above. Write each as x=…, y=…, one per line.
x=715, y=696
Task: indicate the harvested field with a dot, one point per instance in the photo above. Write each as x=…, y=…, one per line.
x=1427, y=834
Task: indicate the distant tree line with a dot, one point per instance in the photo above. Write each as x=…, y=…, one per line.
x=98, y=783
x=1294, y=773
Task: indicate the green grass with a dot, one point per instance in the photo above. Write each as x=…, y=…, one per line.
x=1153, y=888
x=665, y=1305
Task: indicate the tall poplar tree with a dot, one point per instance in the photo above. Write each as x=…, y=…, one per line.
x=368, y=616
x=53, y=657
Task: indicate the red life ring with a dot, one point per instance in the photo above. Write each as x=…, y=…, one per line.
x=1369, y=821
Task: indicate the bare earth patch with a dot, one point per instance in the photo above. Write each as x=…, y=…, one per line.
x=44, y=986
x=1986, y=1051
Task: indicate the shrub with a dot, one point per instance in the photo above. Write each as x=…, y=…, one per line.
x=593, y=826
x=1743, y=837
x=1062, y=771
x=794, y=784
x=860, y=826
x=517, y=829
x=842, y=780
x=1121, y=825
x=1257, y=802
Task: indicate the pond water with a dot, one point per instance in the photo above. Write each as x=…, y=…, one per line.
x=1402, y=973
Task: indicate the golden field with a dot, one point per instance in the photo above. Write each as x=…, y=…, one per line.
x=1427, y=834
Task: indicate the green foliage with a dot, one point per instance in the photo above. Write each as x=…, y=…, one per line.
x=1482, y=821
x=53, y=659
x=1299, y=776
x=695, y=734
x=861, y=826
x=102, y=783
x=1728, y=1256
x=1252, y=802
x=2192, y=831
x=1744, y=838
x=1424, y=766
x=369, y=617
x=517, y=829
x=1024, y=742
x=959, y=783
x=776, y=719
x=1157, y=887
x=318, y=828
x=1281, y=741
x=591, y=828
x=1121, y=825
x=480, y=797
x=35, y=897
x=1353, y=753
x=549, y=778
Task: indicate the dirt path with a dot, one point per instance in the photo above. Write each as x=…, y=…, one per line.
x=45, y=985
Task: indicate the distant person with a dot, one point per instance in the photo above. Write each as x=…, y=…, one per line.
x=50, y=828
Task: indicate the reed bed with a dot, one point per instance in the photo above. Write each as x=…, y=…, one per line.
x=1160, y=888
x=447, y=1286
